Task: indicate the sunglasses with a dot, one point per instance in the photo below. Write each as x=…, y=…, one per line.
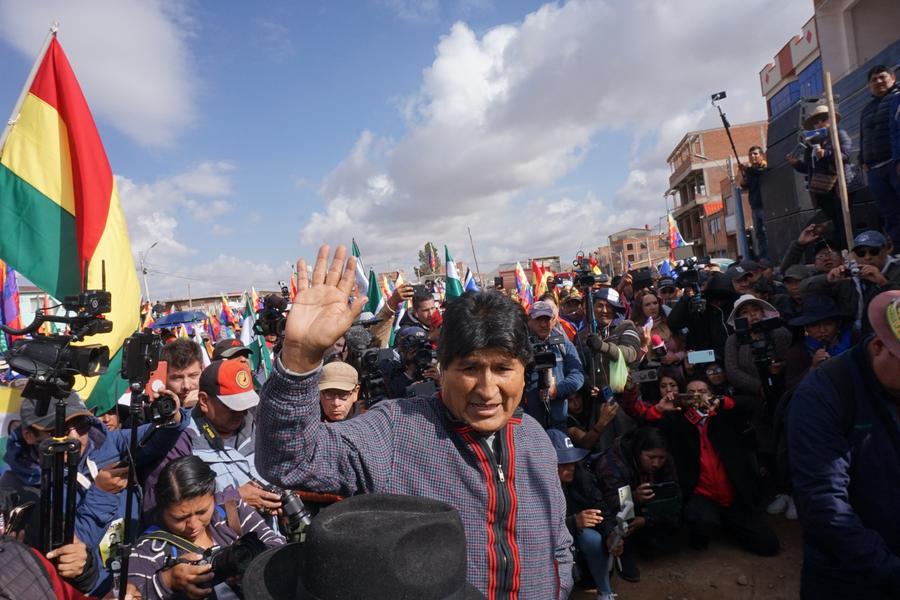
x=866, y=251
x=716, y=371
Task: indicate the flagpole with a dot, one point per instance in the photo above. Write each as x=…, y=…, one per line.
x=475, y=256
x=54, y=27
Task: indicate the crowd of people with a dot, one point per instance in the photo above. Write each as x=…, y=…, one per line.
x=551, y=444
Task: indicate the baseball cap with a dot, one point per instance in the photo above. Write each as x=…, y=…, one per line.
x=229, y=349
x=738, y=272
x=338, y=376
x=566, y=452
x=750, y=265
x=884, y=316
x=74, y=408
x=665, y=282
x=610, y=295
x=822, y=244
x=574, y=295
x=231, y=382
x=541, y=309
x=869, y=239
x=407, y=336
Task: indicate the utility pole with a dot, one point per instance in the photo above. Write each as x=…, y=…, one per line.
x=142, y=257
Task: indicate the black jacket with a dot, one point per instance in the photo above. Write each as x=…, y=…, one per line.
x=875, y=129
x=706, y=330
x=726, y=434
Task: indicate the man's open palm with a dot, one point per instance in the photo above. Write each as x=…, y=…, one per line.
x=321, y=313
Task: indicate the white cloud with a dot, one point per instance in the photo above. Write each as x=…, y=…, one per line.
x=130, y=57
x=503, y=114
x=414, y=10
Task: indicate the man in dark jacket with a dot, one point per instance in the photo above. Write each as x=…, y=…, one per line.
x=875, y=154
x=470, y=446
x=750, y=181
x=706, y=329
x=844, y=451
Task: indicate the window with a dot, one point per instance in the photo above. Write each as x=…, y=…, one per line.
x=714, y=225
x=629, y=247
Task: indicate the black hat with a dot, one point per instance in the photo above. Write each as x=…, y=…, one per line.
x=29, y=417
x=817, y=307
x=373, y=546
x=665, y=282
x=229, y=348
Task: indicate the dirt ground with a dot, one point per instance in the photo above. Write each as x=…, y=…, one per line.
x=722, y=572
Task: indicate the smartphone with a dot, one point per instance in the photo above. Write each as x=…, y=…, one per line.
x=699, y=357
x=18, y=517
x=420, y=290
x=664, y=490
x=157, y=381
x=608, y=395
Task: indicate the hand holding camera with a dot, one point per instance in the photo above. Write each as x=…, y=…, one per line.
x=668, y=403
x=259, y=498
x=189, y=577
x=872, y=274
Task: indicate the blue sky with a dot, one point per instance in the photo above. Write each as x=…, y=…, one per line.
x=245, y=134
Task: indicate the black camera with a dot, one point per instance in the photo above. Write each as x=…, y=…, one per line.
x=371, y=378
x=140, y=356
x=298, y=518
x=697, y=304
x=232, y=561
x=272, y=318
x=583, y=272
x=763, y=346
x=91, y=303
x=647, y=375
x=163, y=410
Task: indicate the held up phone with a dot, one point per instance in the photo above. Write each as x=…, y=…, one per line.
x=18, y=517
x=420, y=290
x=664, y=490
x=157, y=381
x=699, y=357
x=608, y=396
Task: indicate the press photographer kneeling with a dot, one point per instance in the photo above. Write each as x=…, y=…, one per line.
x=198, y=548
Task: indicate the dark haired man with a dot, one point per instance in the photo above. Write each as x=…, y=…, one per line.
x=184, y=365
x=875, y=153
x=423, y=309
x=470, y=446
x=751, y=175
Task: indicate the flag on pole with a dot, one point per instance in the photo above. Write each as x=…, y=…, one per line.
x=261, y=357
x=469, y=283
x=523, y=289
x=204, y=353
x=9, y=303
x=62, y=220
x=675, y=239
x=454, y=287
x=227, y=314
x=362, y=282
x=401, y=312
x=376, y=300
x=432, y=259
x=294, y=280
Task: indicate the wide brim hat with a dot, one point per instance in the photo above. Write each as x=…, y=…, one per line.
x=818, y=111
x=884, y=316
x=768, y=309
x=373, y=546
x=817, y=307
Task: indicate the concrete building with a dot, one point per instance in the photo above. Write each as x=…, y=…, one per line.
x=844, y=38
x=698, y=164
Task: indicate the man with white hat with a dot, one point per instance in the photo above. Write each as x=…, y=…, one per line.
x=843, y=439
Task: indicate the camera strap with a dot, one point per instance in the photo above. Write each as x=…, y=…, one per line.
x=175, y=540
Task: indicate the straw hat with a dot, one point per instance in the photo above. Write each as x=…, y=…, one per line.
x=818, y=111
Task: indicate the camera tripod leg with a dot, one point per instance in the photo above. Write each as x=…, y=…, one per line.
x=73, y=456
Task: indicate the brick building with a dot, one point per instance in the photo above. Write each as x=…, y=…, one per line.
x=634, y=246
x=698, y=164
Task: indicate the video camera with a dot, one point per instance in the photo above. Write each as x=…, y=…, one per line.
x=651, y=368
x=51, y=362
x=140, y=358
x=272, y=318
x=762, y=348
x=228, y=561
x=371, y=379
x=583, y=272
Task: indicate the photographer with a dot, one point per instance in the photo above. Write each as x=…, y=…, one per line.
x=190, y=521
x=102, y=477
x=718, y=479
x=705, y=321
x=742, y=364
x=222, y=432
x=853, y=285
x=413, y=363
x=184, y=364
x=640, y=461
x=565, y=377
x=423, y=307
x=818, y=164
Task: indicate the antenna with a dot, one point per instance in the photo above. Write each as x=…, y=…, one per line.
x=103, y=275
x=84, y=282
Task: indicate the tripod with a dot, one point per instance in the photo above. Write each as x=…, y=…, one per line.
x=59, y=457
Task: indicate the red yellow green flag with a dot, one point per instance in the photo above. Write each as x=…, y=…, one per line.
x=60, y=209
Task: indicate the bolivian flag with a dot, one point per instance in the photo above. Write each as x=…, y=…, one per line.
x=60, y=216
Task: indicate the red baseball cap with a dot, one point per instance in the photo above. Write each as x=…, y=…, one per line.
x=231, y=382
x=884, y=316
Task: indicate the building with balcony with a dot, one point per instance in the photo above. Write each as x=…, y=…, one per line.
x=632, y=248
x=697, y=165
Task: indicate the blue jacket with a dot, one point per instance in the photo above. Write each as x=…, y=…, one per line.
x=875, y=129
x=844, y=456
x=569, y=376
x=95, y=510
x=894, y=118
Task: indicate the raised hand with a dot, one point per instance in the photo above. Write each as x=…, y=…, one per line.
x=320, y=313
